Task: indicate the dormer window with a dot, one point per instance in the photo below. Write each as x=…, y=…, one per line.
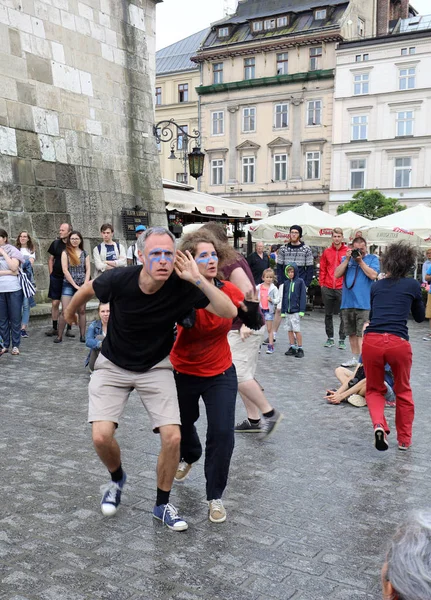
x=320, y=14
x=269, y=24
x=223, y=32
x=257, y=26
x=282, y=21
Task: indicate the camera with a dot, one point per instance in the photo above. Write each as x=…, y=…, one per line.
x=356, y=253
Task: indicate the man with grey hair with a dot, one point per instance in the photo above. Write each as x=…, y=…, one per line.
x=145, y=303
x=406, y=573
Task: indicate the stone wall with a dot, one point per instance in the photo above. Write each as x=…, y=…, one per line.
x=76, y=117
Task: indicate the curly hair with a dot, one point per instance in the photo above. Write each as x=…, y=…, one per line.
x=398, y=259
x=204, y=236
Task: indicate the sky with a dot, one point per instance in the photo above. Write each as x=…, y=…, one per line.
x=177, y=19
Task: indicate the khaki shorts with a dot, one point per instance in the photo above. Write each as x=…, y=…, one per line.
x=293, y=322
x=354, y=320
x=110, y=388
x=428, y=307
x=245, y=353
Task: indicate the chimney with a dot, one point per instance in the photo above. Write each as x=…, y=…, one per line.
x=390, y=10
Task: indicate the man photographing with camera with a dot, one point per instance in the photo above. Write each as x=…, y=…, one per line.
x=358, y=270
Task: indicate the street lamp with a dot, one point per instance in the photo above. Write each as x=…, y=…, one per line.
x=195, y=159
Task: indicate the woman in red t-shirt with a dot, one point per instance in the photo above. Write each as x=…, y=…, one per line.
x=203, y=367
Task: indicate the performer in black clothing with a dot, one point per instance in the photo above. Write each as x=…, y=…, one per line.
x=258, y=261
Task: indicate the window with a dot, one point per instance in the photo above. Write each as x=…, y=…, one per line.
x=359, y=127
x=362, y=57
x=405, y=121
x=314, y=112
x=315, y=55
x=361, y=27
x=249, y=68
x=406, y=51
x=282, y=22
x=217, y=171
x=183, y=92
x=403, y=172
x=257, y=26
x=158, y=96
x=281, y=115
x=218, y=73
x=357, y=174
x=320, y=14
x=282, y=63
x=217, y=123
x=312, y=160
x=248, y=169
x=223, y=32
x=361, y=84
x=181, y=178
x=181, y=141
x=248, y=120
x=280, y=167
x=269, y=24
x=407, y=78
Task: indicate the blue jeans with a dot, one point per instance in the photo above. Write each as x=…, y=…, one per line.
x=25, y=311
x=10, y=317
x=219, y=396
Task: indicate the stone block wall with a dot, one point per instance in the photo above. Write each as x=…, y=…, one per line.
x=76, y=117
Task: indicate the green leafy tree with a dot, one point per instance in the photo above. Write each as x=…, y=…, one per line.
x=371, y=204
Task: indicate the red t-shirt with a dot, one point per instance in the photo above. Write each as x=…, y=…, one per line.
x=204, y=350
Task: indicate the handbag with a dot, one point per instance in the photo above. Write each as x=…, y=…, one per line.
x=28, y=288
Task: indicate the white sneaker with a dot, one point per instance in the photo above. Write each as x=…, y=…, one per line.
x=427, y=338
x=353, y=362
x=357, y=400
x=217, y=512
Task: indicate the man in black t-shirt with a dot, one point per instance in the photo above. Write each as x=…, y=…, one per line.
x=145, y=303
x=56, y=277
x=258, y=261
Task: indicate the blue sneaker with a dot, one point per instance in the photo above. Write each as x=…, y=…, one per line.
x=24, y=333
x=112, y=496
x=168, y=514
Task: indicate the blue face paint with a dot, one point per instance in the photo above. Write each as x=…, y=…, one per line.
x=158, y=254
x=204, y=258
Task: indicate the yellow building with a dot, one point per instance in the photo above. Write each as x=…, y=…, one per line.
x=267, y=98
x=176, y=98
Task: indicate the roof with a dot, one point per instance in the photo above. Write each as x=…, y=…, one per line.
x=254, y=9
x=176, y=57
x=303, y=22
x=418, y=23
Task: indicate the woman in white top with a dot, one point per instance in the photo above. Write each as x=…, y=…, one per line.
x=25, y=245
x=10, y=294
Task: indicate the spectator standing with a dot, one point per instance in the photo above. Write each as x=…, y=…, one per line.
x=293, y=302
x=108, y=254
x=427, y=337
x=331, y=287
x=75, y=263
x=359, y=270
x=56, y=277
x=132, y=250
x=258, y=261
x=11, y=295
x=96, y=334
x=25, y=245
x=268, y=300
x=296, y=252
x=386, y=340
x=426, y=266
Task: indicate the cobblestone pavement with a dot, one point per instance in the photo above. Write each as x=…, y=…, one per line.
x=309, y=510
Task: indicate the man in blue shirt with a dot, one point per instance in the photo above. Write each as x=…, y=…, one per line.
x=359, y=270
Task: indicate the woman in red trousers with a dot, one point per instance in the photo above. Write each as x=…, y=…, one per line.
x=386, y=340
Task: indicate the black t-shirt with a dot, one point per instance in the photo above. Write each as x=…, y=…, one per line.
x=258, y=265
x=141, y=326
x=56, y=249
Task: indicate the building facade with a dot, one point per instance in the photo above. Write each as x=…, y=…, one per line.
x=267, y=98
x=76, y=118
x=177, y=78
x=382, y=108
